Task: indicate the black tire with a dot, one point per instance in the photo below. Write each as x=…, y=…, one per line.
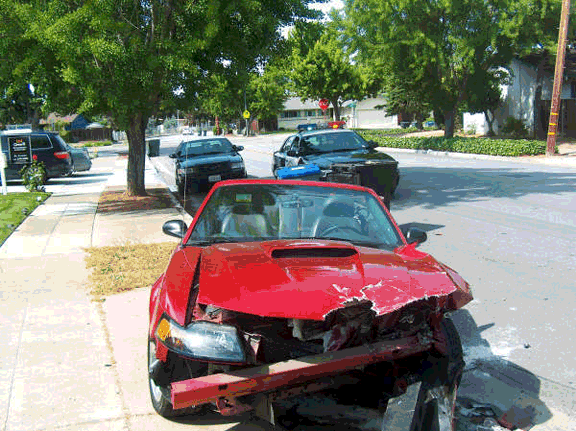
x=180, y=187
x=158, y=394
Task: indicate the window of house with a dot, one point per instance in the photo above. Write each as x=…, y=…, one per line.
x=290, y=114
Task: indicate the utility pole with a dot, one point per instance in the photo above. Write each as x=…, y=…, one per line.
x=558, y=75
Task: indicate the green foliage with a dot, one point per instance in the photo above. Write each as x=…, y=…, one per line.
x=515, y=128
x=131, y=59
x=443, y=53
x=34, y=176
x=488, y=146
x=89, y=144
x=324, y=70
x=65, y=134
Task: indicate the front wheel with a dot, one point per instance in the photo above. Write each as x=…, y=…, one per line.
x=158, y=395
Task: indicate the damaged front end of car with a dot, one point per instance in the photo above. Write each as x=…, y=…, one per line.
x=365, y=343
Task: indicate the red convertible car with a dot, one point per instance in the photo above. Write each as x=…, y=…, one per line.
x=283, y=289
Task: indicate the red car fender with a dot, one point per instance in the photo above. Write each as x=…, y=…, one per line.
x=171, y=291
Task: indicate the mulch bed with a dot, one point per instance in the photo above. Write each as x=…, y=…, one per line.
x=115, y=199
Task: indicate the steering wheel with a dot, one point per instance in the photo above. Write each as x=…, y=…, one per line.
x=334, y=228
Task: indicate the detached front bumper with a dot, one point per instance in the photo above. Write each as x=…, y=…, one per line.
x=288, y=377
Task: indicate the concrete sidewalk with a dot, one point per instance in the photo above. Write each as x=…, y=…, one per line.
x=68, y=362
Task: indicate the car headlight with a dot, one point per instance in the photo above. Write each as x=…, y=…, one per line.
x=185, y=171
x=202, y=340
x=237, y=165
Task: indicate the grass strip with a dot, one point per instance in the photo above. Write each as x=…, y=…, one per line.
x=14, y=208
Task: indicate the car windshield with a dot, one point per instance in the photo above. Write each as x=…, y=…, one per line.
x=331, y=142
x=262, y=212
x=205, y=146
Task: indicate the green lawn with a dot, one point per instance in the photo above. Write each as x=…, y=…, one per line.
x=14, y=208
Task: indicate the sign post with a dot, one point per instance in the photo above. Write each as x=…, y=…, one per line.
x=324, y=103
x=246, y=115
x=3, y=166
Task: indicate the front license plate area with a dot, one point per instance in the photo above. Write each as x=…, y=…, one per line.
x=214, y=178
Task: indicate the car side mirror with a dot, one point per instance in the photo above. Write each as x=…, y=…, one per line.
x=173, y=155
x=238, y=147
x=291, y=153
x=372, y=144
x=176, y=228
x=415, y=235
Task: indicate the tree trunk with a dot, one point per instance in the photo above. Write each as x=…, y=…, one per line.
x=490, y=123
x=336, y=109
x=136, y=155
x=449, y=124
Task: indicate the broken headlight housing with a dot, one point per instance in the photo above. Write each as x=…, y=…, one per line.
x=202, y=340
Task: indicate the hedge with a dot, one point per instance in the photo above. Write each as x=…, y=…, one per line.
x=460, y=144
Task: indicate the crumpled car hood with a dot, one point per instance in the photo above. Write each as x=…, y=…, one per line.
x=276, y=279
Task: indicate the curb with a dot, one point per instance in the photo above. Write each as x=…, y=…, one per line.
x=554, y=160
x=173, y=199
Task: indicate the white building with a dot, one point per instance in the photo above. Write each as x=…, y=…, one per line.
x=362, y=114
x=521, y=100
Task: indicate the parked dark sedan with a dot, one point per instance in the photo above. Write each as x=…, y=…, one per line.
x=205, y=161
x=332, y=150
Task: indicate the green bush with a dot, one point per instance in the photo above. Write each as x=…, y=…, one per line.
x=34, y=176
x=489, y=146
x=515, y=128
x=65, y=134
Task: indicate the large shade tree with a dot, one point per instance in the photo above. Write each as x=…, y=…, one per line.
x=444, y=50
x=127, y=58
x=322, y=67
x=30, y=82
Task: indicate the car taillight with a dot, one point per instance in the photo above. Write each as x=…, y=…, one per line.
x=62, y=155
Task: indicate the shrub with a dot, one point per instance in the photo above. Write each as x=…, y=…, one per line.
x=34, y=176
x=515, y=128
x=489, y=146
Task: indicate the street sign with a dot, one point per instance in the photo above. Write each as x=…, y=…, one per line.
x=246, y=114
x=324, y=103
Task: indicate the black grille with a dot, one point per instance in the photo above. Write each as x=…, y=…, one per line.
x=214, y=168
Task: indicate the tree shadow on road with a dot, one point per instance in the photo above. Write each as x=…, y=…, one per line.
x=432, y=187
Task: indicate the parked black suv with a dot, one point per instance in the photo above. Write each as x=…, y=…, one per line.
x=23, y=146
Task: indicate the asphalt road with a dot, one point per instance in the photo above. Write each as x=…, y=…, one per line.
x=507, y=227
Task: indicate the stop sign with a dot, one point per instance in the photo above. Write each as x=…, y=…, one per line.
x=323, y=103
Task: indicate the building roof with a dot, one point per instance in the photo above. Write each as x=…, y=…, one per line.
x=53, y=118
